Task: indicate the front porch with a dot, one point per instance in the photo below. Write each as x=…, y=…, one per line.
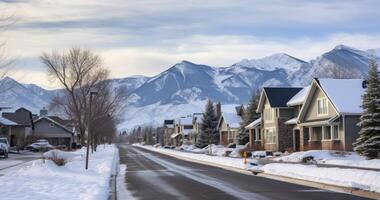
x=320, y=137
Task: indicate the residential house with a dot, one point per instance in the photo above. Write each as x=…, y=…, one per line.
x=229, y=124
x=168, y=131
x=330, y=114
x=53, y=131
x=186, y=128
x=275, y=134
x=296, y=103
x=18, y=125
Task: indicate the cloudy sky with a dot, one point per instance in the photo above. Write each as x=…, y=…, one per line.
x=145, y=37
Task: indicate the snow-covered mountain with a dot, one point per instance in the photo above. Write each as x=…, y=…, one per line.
x=184, y=88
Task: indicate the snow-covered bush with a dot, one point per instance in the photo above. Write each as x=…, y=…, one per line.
x=59, y=157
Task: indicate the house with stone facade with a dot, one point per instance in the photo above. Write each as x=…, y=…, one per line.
x=275, y=134
x=330, y=113
x=296, y=102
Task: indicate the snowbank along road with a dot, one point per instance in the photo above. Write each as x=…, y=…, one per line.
x=152, y=175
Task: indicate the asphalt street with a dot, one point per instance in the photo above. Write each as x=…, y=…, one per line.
x=151, y=175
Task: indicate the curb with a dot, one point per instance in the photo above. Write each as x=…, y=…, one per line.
x=353, y=191
x=113, y=179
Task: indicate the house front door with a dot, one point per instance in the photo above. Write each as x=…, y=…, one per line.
x=297, y=140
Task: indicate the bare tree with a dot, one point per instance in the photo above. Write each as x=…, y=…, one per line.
x=6, y=62
x=77, y=71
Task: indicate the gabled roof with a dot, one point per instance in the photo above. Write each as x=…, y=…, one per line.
x=21, y=118
x=299, y=98
x=277, y=96
x=232, y=119
x=345, y=94
x=6, y=122
x=54, y=122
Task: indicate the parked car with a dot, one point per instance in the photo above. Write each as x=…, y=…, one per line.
x=4, y=147
x=41, y=145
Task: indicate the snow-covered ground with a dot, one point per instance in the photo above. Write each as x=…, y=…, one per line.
x=214, y=159
x=45, y=180
x=333, y=158
x=355, y=178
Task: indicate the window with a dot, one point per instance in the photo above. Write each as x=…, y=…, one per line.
x=257, y=135
x=268, y=114
x=316, y=133
x=327, y=133
x=51, y=125
x=335, y=132
x=322, y=106
x=270, y=136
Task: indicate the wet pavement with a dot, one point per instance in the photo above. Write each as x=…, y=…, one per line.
x=150, y=175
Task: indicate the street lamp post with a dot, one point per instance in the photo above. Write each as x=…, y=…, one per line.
x=92, y=92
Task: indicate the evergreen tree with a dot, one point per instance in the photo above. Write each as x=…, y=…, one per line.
x=208, y=132
x=368, y=143
x=249, y=116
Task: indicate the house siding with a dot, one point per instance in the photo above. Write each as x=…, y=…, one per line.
x=55, y=134
x=351, y=130
x=311, y=112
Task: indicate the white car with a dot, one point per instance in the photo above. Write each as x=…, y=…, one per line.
x=40, y=145
x=4, y=147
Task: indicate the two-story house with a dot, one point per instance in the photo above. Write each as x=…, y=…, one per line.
x=275, y=134
x=330, y=114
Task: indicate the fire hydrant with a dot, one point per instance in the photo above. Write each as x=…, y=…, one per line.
x=245, y=157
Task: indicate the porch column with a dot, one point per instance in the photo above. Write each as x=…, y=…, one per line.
x=323, y=132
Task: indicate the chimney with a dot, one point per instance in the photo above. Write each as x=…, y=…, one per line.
x=218, y=109
x=43, y=112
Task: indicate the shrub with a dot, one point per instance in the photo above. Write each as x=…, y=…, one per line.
x=54, y=156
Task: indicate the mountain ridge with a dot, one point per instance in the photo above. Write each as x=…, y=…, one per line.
x=185, y=86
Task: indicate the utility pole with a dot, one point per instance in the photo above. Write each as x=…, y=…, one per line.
x=92, y=92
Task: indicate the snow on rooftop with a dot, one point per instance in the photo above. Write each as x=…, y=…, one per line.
x=299, y=98
x=291, y=121
x=345, y=94
x=7, y=122
x=254, y=124
x=232, y=119
x=186, y=120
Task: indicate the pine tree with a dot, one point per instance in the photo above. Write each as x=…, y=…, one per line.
x=368, y=143
x=250, y=115
x=208, y=132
